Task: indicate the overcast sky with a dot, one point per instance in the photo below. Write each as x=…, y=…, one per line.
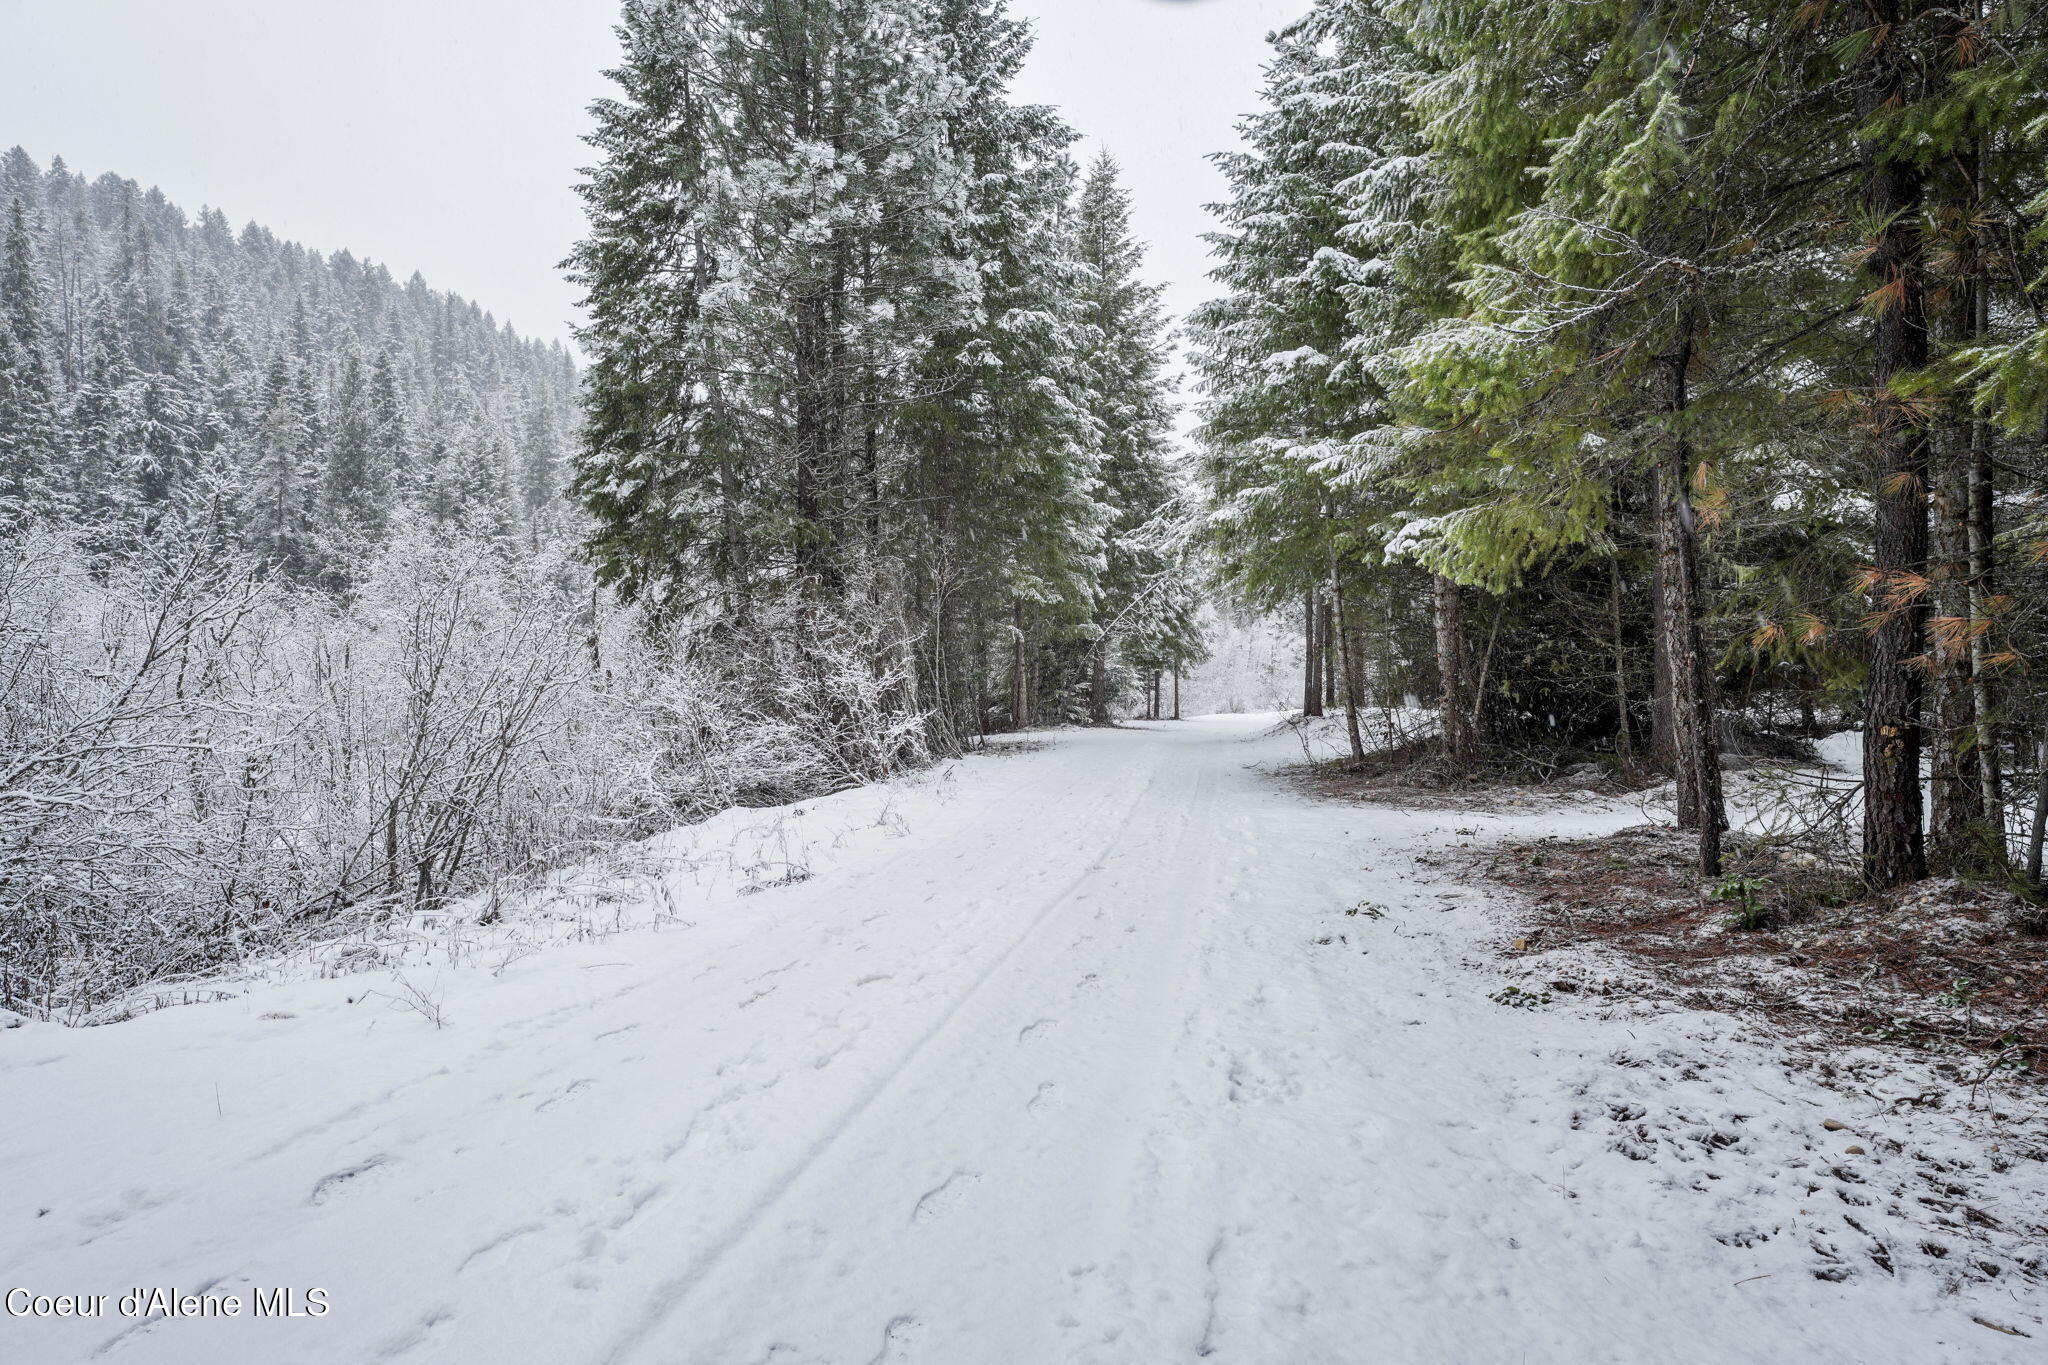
x=442, y=135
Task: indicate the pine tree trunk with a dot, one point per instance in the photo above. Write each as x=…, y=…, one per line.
x=1957, y=828
x=1663, y=754
x=1176, y=691
x=1692, y=680
x=1624, y=738
x=1955, y=788
x=1672, y=737
x=1312, y=659
x=1981, y=533
x=1345, y=651
x=1477, y=716
x=1098, y=684
x=1894, y=848
x=1450, y=668
x=1017, y=700
x=1328, y=652
x=2039, y=834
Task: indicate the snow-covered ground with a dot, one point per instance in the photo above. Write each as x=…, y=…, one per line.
x=1071, y=1054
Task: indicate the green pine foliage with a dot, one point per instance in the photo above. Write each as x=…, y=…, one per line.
x=1657, y=332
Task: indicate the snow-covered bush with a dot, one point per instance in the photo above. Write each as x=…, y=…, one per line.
x=198, y=763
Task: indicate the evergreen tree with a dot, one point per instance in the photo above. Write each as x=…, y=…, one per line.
x=284, y=481
x=1687, y=306
x=1141, y=600
x=355, y=481
x=154, y=368
x=841, y=353
x=539, y=469
x=1295, y=404
x=29, y=483
x=473, y=482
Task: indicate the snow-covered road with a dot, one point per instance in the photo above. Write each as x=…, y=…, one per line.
x=1072, y=1056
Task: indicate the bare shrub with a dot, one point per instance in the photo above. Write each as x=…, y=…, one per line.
x=199, y=764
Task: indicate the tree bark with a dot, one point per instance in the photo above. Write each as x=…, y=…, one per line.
x=1894, y=845
x=1624, y=737
x=1329, y=652
x=1981, y=533
x=2039, y=834
x=1017, y=700
x=1344, y=655
x=1671, y=736
x=1312, y=659
x=1962, y=814
x=1955, y=787
x=1663, y=754
x=1692, y=680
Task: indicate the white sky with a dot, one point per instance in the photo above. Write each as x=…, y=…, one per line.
x=442, y=135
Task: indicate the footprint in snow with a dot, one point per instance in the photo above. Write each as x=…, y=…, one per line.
x=574, y=1087
x=1033, y=1030
x=1048, y=1097
x=496, y=1244
x=332, y=1183
x=898, y=1338
x=944, y=1197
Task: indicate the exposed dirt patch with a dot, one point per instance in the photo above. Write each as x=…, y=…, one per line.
x=1926, y=1012
x=1412, y=776
x=1944, y=969
x=1001, y=745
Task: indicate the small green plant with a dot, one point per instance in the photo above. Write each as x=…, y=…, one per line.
x=1894, y=1030
x=2011, y=1053
x=1745, y=896
x=1961, y=996
x=1515, y=998
x=1368, y=909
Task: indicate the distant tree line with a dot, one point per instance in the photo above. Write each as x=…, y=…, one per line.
x=161, y=371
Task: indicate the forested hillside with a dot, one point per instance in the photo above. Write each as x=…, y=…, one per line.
x=163, y=368
x=1632, y=379
x=285, y=594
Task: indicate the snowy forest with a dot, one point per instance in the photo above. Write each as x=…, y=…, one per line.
x=1631, y=381
x=313, y=617
x=286, y=564
x=1633, y=387
x=1473, y=790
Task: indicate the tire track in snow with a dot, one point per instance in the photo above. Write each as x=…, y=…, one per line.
x=672, y=1294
